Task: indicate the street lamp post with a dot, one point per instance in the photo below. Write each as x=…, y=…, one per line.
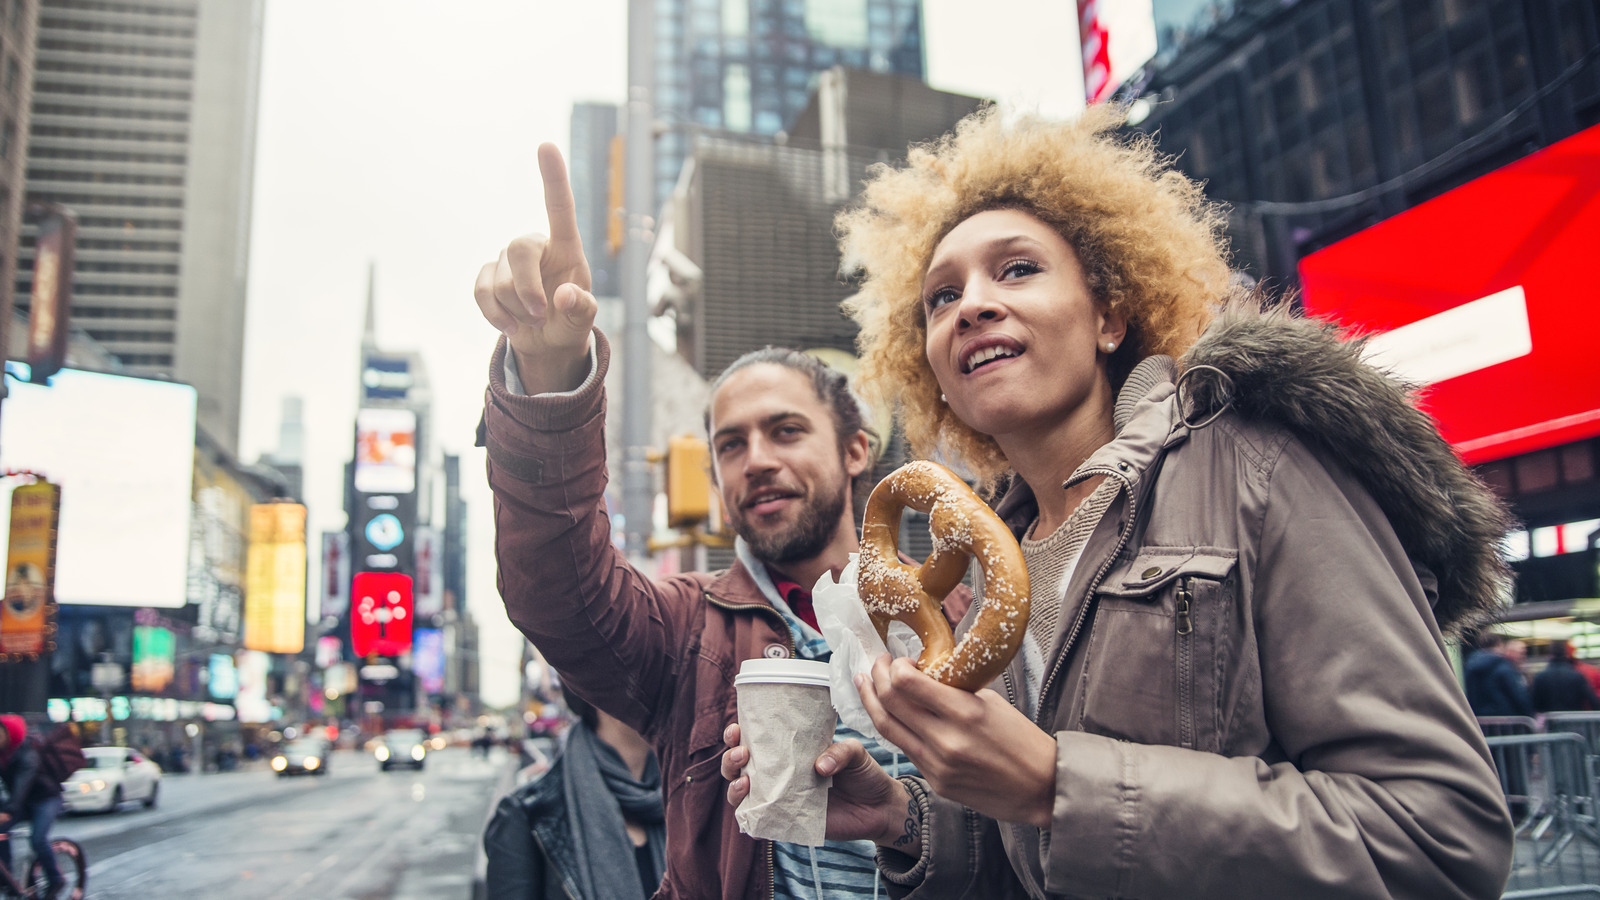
x=638, y=201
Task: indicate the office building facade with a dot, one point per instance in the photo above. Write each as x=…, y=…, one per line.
x=1405, y=163
x=1316, y=119
x=594, y=125
x=749, y=66
x=143, y=124
x=18, y=19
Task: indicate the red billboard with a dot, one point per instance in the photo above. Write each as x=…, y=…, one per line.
x=1487, y=295
x=380, y=614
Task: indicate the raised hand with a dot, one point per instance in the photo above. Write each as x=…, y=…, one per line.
x=864, y=803
x=537, y=292
x=975, y=749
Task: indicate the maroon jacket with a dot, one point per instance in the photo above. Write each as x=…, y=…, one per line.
x=659, y=655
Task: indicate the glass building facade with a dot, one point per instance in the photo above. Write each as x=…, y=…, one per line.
x=748, y=66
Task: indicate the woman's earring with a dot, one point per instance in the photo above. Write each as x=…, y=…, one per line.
x=942, y=399
x=1110, y=346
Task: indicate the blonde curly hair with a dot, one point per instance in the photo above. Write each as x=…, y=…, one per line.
x=1150, y=244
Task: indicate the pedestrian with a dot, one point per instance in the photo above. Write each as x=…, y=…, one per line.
x=1243, y=544
x=1560, y=687
x=29, y=795
x=571, y=832
x=790, y=458
x=1495, y=684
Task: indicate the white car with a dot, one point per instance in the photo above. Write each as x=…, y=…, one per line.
x=114, y=775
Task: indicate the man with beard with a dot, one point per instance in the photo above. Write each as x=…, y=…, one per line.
x=790, y=460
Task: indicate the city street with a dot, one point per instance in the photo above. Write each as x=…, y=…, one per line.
x=355, y=833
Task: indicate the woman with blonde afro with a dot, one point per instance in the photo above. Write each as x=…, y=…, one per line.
x=1245, y=547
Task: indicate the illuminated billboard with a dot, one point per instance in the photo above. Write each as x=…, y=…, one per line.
x=1118, y=37
x=154, y=652
x=252, y=703
x=334, y=579
x=386, y=378
x=427, y=659
x=122, y=450
x=275, y=579
x=222, y=677
x=30, y=569
x=429, y=584
x=386, y=451
x=1485, y=294
x=380, y=614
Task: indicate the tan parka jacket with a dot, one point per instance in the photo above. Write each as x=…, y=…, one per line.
x=1250, y=691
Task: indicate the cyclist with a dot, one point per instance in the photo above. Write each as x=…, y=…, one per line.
x=31, y=794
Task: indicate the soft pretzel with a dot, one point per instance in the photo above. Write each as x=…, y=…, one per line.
x=963, y=526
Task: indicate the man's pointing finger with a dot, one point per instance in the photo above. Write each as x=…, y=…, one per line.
x=558, y=203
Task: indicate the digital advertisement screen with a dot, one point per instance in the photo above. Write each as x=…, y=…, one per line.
x=386, y=451
x=1485, y=295
x=224, y=677
x=122, y=450
x=427, y=658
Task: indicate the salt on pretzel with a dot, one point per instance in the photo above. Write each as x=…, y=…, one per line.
x=963, y=526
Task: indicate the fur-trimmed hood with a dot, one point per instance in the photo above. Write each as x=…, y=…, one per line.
x=1304, y=374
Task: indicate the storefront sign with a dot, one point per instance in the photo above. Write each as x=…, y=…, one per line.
x=275, y=579
x=30, y=569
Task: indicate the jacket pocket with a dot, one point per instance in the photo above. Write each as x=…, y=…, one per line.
x=1152, y=665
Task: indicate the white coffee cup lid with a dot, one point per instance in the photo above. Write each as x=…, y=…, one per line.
x=782, y=671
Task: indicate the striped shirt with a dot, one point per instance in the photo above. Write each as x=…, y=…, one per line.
x=842, y=868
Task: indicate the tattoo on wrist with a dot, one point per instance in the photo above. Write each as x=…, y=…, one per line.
x=912, y=825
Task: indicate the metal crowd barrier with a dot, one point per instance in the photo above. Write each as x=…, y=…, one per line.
x=1549, y=781
x=1500, y=726
x=1586, y=724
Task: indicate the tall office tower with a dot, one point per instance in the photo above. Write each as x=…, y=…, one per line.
x=144, y=121
x=748, y=66
x=18, y=19
x=589, y=167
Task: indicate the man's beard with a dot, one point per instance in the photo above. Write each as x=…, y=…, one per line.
x=804, y=538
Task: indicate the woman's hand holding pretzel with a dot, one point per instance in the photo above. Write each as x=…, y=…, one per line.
x=537, y=292
x=973, y=748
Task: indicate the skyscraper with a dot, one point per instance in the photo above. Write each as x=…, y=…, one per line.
x=144, y=118
x=748, y=66
x=593, y=127
x=17, y=22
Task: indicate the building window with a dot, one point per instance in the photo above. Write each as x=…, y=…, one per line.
x=736, y=98
x=8, y=137
x=837, y=23
x=735, y=18
x=13, y=75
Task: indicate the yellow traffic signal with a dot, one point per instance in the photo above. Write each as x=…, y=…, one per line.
x=614, y=217
x=688, y=481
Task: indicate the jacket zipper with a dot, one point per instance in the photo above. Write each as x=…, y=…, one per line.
x=1184, y=620
x=1083, y=609
x=772, y=870
x=783, y=627
x=788, y=640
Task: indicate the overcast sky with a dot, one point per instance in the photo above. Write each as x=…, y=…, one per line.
x=402, y=132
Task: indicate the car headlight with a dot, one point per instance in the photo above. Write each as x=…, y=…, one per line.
x=382, y=753
x=97, y=785
x=279, y=764
x=417, y=753
x=312, y=762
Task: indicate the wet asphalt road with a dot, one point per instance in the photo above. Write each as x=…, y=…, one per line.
x=354, y=834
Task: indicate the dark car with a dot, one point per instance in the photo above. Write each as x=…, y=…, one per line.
x=308, y=756
x=402, y=747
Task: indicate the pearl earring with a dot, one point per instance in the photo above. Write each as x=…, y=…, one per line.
x=1110, y=346
x=942, y=399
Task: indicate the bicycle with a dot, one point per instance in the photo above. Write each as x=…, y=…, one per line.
x=69, y=859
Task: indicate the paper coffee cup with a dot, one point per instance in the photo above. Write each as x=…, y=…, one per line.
x=786, y=720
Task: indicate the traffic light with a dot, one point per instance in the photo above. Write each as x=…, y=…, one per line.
x=688, y=481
